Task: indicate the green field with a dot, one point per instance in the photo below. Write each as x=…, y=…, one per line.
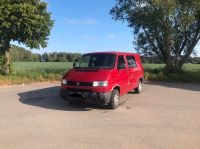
x=26, y=72
x=186, y=67
x=50, y=66
x=61, y=66
x=190, y=74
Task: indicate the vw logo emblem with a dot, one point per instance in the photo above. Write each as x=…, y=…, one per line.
x=77, y=83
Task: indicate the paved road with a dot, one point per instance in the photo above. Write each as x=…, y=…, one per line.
x=164, y=116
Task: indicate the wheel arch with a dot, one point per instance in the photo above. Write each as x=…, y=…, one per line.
x=117, y=87
x=142, y=80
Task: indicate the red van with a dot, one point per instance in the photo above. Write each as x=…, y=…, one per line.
x=103, y=77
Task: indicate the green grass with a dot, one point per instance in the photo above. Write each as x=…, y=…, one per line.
x=192, y=67
x=26, y=72
x=186, y=67
x=50, y=66
x=191, y=73
x=153, y=66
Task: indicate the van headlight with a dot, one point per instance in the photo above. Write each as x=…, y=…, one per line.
x=100, y=83
x=64, y=81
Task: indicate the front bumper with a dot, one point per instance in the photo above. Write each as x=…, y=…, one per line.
x=86, y=95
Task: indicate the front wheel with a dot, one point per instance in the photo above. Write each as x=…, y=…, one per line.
x=115, y=99
x=138, y=90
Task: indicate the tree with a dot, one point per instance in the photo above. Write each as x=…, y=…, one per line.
x=61, y=57
x=169, y=29
x=45, y=57
x=24, y=21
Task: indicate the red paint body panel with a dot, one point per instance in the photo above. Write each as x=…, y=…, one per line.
x=125, y=79
x=88, y=76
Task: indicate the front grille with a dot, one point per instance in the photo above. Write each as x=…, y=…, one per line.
x=78, y=90
x=73, y=83
x=76, y=83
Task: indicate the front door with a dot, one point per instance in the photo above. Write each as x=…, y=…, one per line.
x=122, y=74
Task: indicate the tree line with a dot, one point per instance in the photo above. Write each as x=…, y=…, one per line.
x=60, y=57
x=19, y=54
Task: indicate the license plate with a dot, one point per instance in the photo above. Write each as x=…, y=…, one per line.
x=79, y=93
x=71, y=93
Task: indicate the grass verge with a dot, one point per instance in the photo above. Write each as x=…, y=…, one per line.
x=29, y=76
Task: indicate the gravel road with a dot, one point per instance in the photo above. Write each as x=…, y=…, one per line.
x=164, y=116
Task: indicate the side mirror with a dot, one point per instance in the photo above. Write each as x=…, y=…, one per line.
x=75, y=64
x=121, y=66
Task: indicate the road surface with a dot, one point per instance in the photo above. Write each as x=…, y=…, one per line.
x=164, y=116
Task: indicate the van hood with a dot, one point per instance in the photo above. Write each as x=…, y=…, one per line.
x=87, y=75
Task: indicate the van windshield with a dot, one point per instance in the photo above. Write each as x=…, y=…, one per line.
x=90, y=61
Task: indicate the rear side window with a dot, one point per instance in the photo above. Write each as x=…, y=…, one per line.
x=131, y=62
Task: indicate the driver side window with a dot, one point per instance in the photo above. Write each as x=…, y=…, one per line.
x=121, y=62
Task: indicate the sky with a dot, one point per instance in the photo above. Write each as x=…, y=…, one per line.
x=86, y=26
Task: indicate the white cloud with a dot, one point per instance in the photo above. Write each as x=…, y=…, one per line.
x=87, y=21
x=112, y=36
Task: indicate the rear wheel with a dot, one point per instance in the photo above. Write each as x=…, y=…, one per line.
x=115, y=99
x=139, y=88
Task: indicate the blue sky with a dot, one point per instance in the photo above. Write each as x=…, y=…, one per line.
x=86, y=26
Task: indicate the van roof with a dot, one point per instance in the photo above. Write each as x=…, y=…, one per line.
x=114, y=52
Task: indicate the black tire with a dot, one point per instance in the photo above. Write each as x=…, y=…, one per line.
x=115, y=99
x=138, y=90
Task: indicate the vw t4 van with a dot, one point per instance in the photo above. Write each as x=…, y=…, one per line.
x=103, y=77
